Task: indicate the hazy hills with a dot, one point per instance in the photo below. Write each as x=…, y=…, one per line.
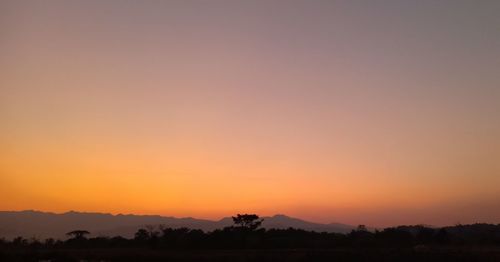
x=50, y=225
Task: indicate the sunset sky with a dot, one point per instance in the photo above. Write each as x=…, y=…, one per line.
x=360, y=112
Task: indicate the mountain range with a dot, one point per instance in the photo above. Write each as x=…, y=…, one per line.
x=44, y=225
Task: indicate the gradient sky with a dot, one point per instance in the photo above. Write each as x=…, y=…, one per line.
x=361, y=112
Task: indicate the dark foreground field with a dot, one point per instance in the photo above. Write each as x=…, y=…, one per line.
x=245, y=241
x=340, y=254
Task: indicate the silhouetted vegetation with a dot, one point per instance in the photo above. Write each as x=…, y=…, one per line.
x=477, y=242
x=78, y=234
x=247, y=222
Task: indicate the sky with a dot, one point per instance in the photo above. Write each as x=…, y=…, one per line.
x=360, y=112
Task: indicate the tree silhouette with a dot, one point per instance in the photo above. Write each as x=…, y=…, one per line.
x=141, y=235
x=361, y=228
x=78, y=234
x=247, y=221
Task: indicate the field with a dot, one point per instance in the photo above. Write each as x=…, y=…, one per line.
x=419, y=253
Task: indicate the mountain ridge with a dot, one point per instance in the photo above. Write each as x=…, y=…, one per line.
x=42, y=225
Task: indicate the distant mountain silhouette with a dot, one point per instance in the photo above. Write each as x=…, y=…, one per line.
x=44, y=225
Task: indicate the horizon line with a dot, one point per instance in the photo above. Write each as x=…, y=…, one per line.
x=223, y=217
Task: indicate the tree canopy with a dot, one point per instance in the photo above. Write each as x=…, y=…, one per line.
x=247, y=221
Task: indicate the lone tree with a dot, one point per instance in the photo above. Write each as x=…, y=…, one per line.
x=141, y=235
x=78, y=234
x=247, y=221
x=362, y=228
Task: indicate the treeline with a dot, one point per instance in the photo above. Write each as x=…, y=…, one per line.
x=246, y=234
x=246, y=241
